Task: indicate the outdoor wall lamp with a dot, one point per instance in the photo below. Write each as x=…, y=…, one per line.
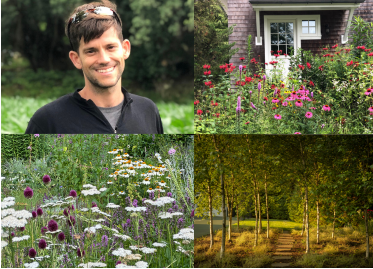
x=327, y=28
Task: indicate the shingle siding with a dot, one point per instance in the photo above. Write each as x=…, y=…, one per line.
x=241, y=13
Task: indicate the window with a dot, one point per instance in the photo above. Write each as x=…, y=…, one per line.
x=308, y=27
x=282, y=37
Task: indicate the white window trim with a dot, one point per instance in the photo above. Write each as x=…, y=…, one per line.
x=298, y=36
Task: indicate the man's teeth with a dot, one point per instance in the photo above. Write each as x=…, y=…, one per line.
x=106, y=70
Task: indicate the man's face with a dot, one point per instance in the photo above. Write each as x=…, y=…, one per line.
x=102, y=59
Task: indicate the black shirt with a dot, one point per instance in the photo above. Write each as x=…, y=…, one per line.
x=72, y=114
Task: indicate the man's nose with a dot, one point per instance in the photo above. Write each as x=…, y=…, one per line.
x=103, y=57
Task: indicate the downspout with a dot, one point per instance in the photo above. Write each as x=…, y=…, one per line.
x=258, y=38
x=345, y=36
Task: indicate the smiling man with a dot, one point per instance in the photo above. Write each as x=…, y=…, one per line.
x=103, y=105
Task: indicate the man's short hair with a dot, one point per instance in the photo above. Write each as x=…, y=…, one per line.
x=93, y=25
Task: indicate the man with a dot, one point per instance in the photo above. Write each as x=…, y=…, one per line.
x=102, y=106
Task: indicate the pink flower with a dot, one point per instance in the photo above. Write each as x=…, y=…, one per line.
x=370, y=109
x=284, y=103
x=326, y=108
x=308, y=115
x=277, y=116
x=299, y=103
x=369, y=91
x=275, y=100
x=297, y=133
x=313, y=108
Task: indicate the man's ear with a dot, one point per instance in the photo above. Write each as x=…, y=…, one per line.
x=74, y=57
x=126, y=45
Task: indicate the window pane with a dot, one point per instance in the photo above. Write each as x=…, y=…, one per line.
x=281, y=27
x=281, y=39
x=274, y=48
x=304, y=23
x=312, y=23
x=274, y=28
x=289, y=27
x=304, y=30
x=283, y=48
x=312, y=30
x=289, y=39
x=274, y=39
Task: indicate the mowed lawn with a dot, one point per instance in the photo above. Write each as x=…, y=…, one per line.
x=17, y=111
x=273, y=223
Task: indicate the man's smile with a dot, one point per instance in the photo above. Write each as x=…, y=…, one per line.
x=106, y=70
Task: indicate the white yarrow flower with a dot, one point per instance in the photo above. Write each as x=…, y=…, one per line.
x=186, y=233
x=148, y=250
x=31, y=265
x=13, y=222
x=121, y=252
x=142, y=264
x=92, y=265
x=162, y=245
x=112, y=205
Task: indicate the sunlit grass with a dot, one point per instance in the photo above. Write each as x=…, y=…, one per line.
x=17, y=111
x=273, y=223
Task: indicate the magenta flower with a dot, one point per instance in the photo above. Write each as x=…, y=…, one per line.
x=39, y=211
x=275, y=100
x=28, y=193
x=71, y=221
x=42, y=244
x=79, y=253
x=277, y=116
x=43, y=230
x=299, y=103
x=171, y=151
x=238, y=108
x=52, y=225
x=240, y=67
x=369, y=91
x=326, y=108
x=46, y=179
x=32, y=253
x=264, y=77
x=66, y=212
x=308, y=115
x=94, y=204
x=259, y=86
x=253, y=106
x=61, y=236
x=370, y=109
x=22, y=229
x=34, y=215
x=73, y=193
x=12, y=234
x=313, y=108
x=284, y=103
x=297, y=133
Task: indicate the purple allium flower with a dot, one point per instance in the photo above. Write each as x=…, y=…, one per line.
x=192, y=214
x=79, y=253
x=12, y=234
x=34, y=215
x=46, y=179
x=39, y=211
x=72, y=207
x=61, y=236
x=73, y=193
x=22, y=229
x=43, y=230
x=52, y=225
x=171, y=151
x=94, y=204
x=169, y=194
x=134, y=203
x=32, y=253
x=118, y=262
x=42, y=244
x=28, y=193
x=238, y=108
x=71, y=221
x=66, y=212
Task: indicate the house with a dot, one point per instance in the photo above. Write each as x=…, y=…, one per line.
x=287, y=25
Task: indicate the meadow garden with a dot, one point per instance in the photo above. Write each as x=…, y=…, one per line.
x=97, y=201
x=291, y=201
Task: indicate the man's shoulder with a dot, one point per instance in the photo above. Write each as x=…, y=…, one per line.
x=56, y=106
x=143, y=102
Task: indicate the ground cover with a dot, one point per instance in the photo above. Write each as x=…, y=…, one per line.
x=105, y=202
x=346, y=250
x=17, y=111
x=273, y=223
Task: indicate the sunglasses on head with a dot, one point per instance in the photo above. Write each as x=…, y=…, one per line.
x=79, y=16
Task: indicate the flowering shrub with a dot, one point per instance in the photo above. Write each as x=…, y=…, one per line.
x=329, y=93
x=139, y=214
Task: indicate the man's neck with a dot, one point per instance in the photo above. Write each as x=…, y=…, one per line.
x=108, y=98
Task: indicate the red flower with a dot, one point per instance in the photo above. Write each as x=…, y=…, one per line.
x=242, y=58
x=207, y=83
x=325, y=48
x=207, y=73
x=206, y=66
x=335, y=46
x=199, y=112
x=309, y=65
x=368, y=50
x=361, y=47
x=347, y=50
x=321, y=67
x=222, y=66
x=212, y=103
x=312, y=84
x=276, y=55
x=272, y=51
x=279, y=51
x=370, y=54
x=265, y=98
x=301, y=66
x=286, y=55
x=217, y=115
x=196, y=102
x=273, y=86
x=253, y=61
x=247, y=122
x=248, y=79
x=211, y=86
x=350, y=63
